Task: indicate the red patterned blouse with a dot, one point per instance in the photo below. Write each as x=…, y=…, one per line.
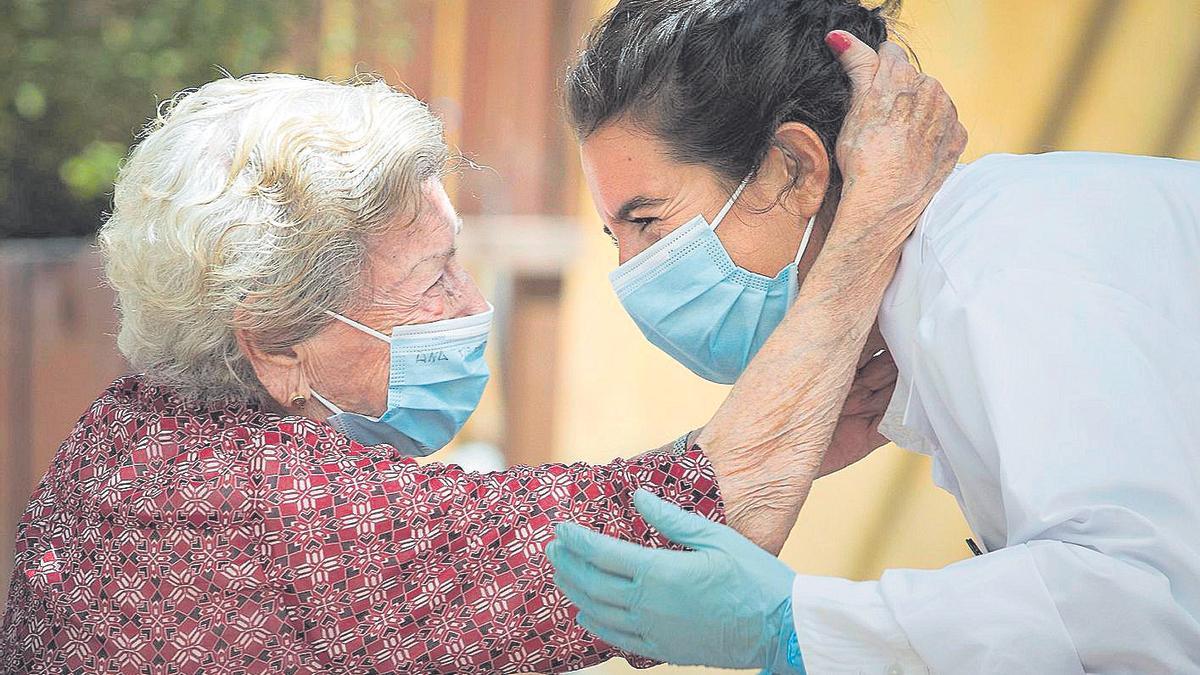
x=172, y=537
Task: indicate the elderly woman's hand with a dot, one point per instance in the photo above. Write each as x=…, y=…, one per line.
x=900, y=140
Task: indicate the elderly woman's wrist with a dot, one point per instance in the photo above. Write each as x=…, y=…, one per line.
x=872, y=211
x=763, y=508
x=763, y=477
x=862, y=251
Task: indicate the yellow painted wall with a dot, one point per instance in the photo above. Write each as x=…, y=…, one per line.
x=1002, y=61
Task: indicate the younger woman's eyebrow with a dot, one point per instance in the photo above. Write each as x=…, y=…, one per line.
x=636, y=203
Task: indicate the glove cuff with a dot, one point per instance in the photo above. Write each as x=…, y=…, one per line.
x=786, y=659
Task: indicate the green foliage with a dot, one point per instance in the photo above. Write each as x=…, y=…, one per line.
x=79, y=78
x=91, y=173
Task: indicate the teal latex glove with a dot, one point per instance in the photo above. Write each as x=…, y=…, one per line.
x=725, y=603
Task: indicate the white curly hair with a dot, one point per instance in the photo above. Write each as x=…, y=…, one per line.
x=246, y=205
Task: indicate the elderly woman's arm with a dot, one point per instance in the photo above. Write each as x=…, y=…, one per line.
x=387, y=565
x=900, y=140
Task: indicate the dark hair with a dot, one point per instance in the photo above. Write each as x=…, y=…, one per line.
x=714, y=79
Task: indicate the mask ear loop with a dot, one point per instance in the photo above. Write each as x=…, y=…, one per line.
x=725, y=210
x=794, y=289
x=804, y=242
x=729, y=204
x=326, y=402
x=354, y=324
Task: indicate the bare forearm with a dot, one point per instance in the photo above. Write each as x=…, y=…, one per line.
x=768, y=439
x=899, y=141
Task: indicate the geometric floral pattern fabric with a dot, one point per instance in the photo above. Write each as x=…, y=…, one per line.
x=177, y=537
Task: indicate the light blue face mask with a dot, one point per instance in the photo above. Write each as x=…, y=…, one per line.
x=438, y=373
x=689, y=298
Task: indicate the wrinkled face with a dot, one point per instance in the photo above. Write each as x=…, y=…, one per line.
x=413, y=276
x=642, y=194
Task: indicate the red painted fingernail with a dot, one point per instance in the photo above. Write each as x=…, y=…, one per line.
x=837, y=41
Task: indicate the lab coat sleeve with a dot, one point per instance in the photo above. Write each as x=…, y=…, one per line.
x=1080, y=402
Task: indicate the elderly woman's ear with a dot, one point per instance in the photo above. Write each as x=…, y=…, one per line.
x=280, y=373
x=795, y=170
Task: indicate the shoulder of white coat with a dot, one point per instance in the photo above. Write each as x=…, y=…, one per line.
x=1074, y=213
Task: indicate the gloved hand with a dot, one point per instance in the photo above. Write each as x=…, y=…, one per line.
x=726, y=603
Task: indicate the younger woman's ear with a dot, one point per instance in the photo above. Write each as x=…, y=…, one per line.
x=797, y=168
x=281, y=374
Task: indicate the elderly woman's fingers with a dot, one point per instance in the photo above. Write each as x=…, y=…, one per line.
x=875, y=344
x=960, y=137
x=605, y=553
x=950, y=138
x=891, y=50
x=879, y=399
x=869, y=402
x=894, y=65
x=933, y=96
x=858, y=60
x=877, y=373
x=870, y=394
x=899, y=141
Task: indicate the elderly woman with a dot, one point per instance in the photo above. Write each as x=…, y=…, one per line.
x=284, y=257
x=1043, y=320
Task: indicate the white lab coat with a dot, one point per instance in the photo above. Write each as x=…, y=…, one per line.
x=1045, y=319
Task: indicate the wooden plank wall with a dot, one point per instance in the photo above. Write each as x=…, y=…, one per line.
x=57, y=353
x=512, y=123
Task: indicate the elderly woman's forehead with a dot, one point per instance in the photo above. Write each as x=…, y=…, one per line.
x=437, y=204
x=431, y=233
x=434, y=212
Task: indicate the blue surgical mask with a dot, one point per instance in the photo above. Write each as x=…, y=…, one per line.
x=438, y=373
x=689, y=298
